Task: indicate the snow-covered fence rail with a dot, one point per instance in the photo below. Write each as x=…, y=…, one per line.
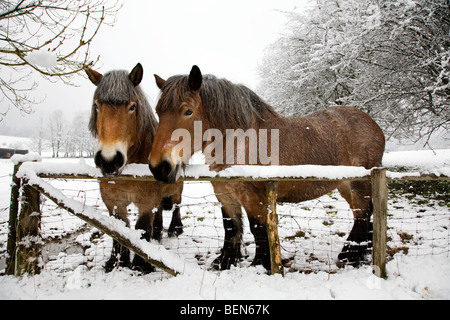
x=24, y=242
x=34, y=173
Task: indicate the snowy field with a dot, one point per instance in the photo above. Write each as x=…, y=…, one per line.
x=311, y=233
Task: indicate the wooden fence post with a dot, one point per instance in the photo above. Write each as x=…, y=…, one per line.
x=379, y=199
x=272, y=229
x=13, y=214
x=29, y=241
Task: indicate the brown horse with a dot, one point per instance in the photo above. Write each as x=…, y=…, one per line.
x=124, y=123
x=337, y=136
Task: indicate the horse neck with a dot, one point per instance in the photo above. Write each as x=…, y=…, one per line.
x=140, y=151
x=145, y=133
x=268, y=121
x=265, y=120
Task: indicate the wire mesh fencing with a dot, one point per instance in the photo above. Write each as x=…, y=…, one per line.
x=312, y=233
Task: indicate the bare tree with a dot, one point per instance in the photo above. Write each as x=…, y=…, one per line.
x=79, y=140
x=51, y=37
x=57, y=131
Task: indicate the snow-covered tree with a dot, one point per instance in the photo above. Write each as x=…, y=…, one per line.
x=390, y=58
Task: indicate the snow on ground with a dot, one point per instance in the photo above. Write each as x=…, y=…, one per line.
x=312, y=234
x=423, y=159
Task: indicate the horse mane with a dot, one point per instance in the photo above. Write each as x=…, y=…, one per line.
x=226, y=105
x=116, y=89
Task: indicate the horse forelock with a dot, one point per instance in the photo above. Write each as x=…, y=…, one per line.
x=172, y=93
x=225, y=105
x=116, y=89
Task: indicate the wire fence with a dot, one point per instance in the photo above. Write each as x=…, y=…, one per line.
x=312, y=233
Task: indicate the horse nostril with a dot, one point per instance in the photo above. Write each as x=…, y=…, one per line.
x=162, y=171
x=119, y=160
x=98, y=159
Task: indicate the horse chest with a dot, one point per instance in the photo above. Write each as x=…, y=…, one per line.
x=126, y=192
x=303, y=191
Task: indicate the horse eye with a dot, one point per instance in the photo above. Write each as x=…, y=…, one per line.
x=96, y=107
x=132, y=108
x=188, y=112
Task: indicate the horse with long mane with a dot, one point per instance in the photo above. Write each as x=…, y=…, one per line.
x=340, y=136
x=124, y=123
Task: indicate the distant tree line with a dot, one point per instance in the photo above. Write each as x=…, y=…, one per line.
x=65, y=138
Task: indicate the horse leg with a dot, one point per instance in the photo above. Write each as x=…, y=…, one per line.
x=359, y=196
x=232, y=223
x=258, y=228
x=145, y=222
x=256, y=207
x=158, y=223
x=120, y=256
x=231, y=251
x=176, y=226
x=172, y=195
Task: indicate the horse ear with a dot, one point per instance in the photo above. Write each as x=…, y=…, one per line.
x=159, y=81
x=94, y=76
x=137, y=74
x=195, y=79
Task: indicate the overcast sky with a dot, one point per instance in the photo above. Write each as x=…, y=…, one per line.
x=225, y=38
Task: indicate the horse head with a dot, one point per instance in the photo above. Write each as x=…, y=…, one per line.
x=178, y=108
x=114, y=117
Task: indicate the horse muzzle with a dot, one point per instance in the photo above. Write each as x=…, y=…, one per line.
x=166, y=172
x=111, y=166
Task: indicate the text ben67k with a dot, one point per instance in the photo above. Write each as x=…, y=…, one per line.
x=234, y=309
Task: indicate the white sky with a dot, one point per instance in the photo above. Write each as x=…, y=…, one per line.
x=223, y=37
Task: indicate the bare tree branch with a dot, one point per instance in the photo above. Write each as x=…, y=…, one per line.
x=50, y=37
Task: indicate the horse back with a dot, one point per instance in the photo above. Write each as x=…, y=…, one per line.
x=336, y=136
